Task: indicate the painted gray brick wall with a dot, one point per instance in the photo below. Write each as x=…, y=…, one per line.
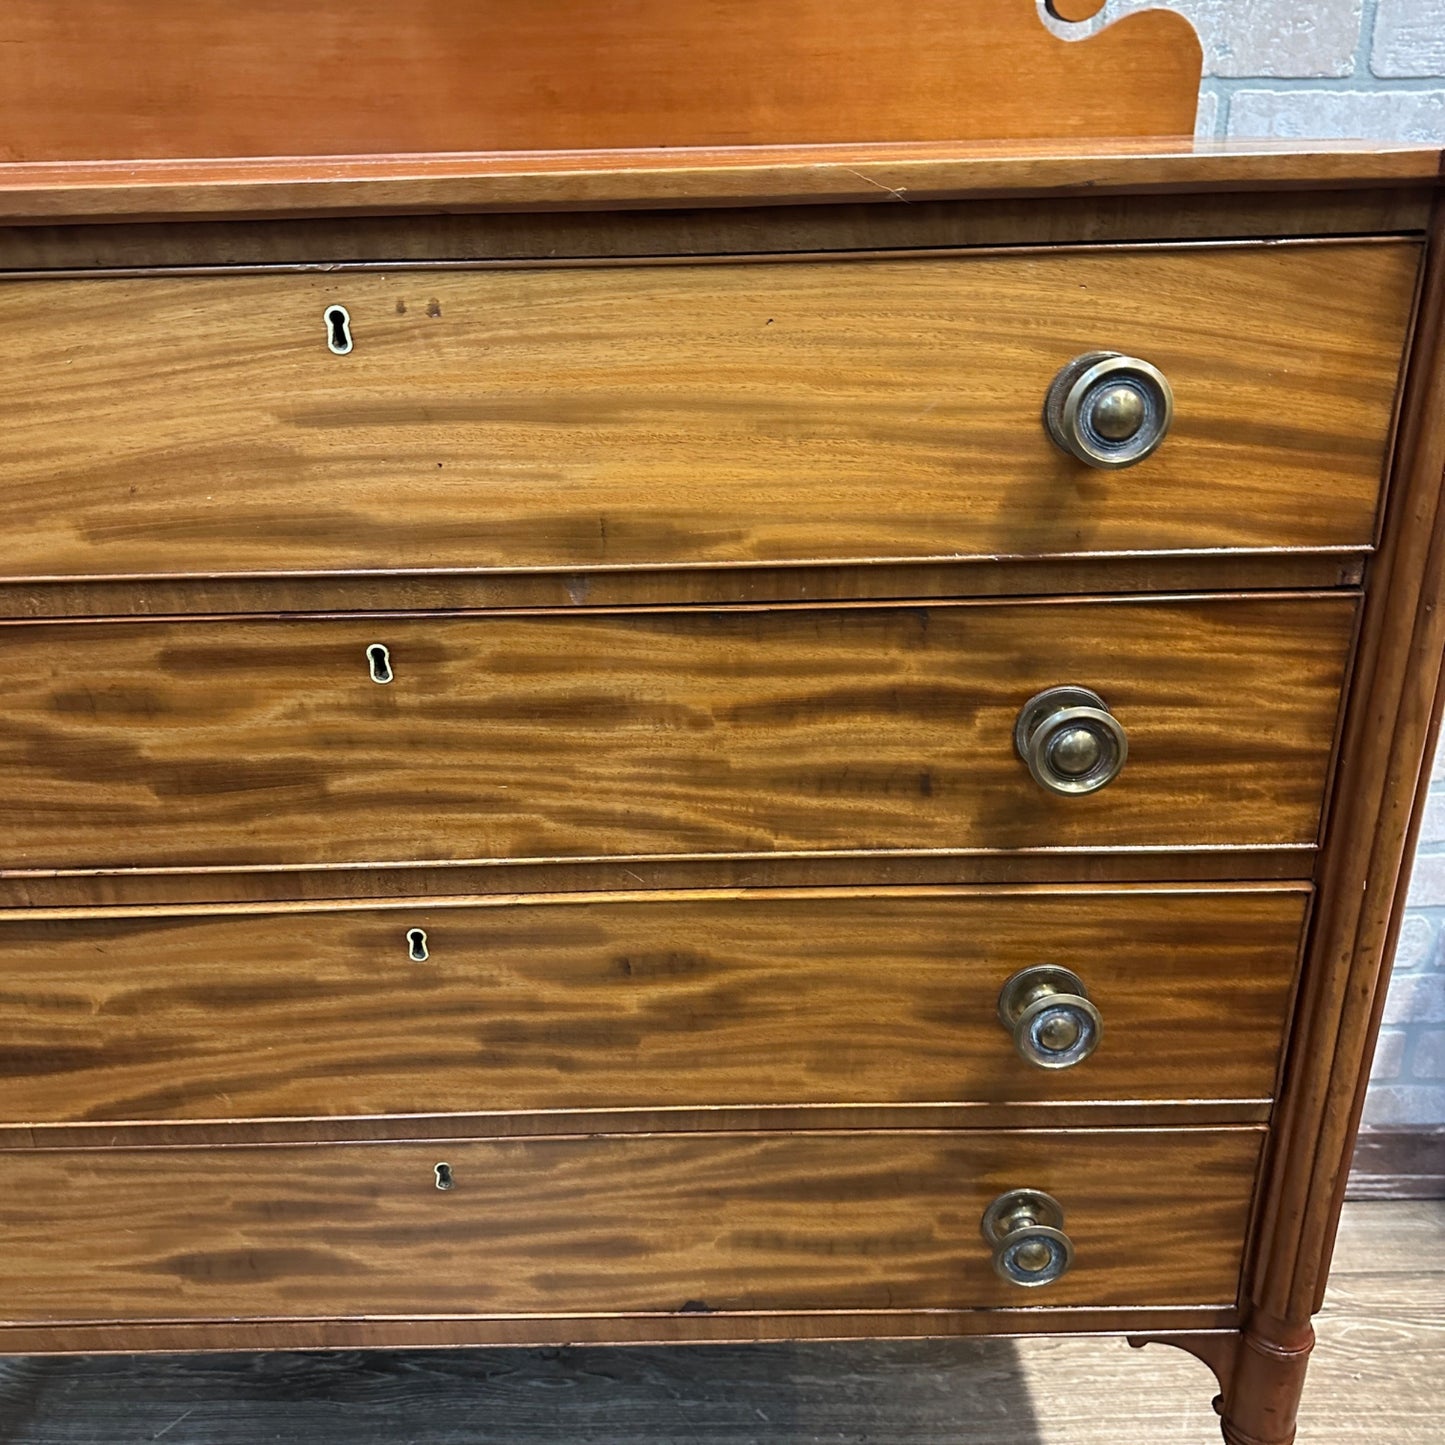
x=1312, y=68
x=1356, y=69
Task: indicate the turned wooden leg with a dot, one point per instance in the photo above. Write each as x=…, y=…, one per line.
x=1262, y=1393
x=1261, y=1372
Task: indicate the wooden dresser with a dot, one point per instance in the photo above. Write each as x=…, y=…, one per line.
x=809, y=736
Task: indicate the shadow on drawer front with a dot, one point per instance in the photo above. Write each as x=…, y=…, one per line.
x=665, y=415
x=745, y=731
x=651, y=1224
x=768, y=998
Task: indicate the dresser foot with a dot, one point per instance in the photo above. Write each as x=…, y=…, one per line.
x=1262, y=1395
x=1261, y=1373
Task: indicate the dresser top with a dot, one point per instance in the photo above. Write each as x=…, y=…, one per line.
x=45, y=192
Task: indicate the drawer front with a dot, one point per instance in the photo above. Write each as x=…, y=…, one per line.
x=647, y=1224
x=708, y=1000
x=234, y=743
x=662, y=415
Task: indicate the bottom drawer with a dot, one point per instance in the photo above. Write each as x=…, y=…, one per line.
x=649, y=1224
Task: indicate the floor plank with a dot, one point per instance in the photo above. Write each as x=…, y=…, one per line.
x=1376, y=1377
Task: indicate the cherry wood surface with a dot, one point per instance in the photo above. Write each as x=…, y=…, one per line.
x=134, y=79
x=241, y=743
x=618, y=1225
x=700, y=1001
x=655, y=415
x=887, y=174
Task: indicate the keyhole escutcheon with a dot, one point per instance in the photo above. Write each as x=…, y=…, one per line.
x=444, y=1176
x=416, y=944
x=378, y=659
x=338, y=330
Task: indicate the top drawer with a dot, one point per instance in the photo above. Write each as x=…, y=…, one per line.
x=660, y=414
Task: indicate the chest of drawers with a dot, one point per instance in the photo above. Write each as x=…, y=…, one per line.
x=669, y=748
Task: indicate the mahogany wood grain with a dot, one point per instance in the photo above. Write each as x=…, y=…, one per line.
x=1232, y=571
x=1392, y=717
x=192, y=1336
x=554, y=1123
x=886, y=174
x=143, y=79
x=734, y=230
x=706, y=1001
x=509, y=877
x=706, y=414
x=244, y=743
x=654, y=1225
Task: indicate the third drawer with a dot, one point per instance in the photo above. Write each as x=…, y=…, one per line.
x=885, y=996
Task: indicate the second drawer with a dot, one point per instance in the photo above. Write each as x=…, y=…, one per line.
x=837, y=729
x=888, y=997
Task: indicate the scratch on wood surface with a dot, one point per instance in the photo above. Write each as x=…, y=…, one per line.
x=891, y=190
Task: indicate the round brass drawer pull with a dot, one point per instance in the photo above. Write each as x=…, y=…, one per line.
x=1108, y=410
x=1070, y=740
x=1048, y=1011
x=1025, y=1230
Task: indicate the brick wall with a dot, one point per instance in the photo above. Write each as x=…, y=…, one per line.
x=1353, y=69
x=1313, y=68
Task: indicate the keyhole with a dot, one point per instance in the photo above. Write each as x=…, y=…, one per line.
x=416, y=944
x=338, y=330
x=444, y=1176
x=378, y=659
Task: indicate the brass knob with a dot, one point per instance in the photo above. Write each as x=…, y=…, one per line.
x=1070, y=740
x=1108, y=410
x=1025, y=1230
x=1048, y=1011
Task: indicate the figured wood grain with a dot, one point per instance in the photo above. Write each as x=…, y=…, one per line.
x=710, y=1001
x=133, y=79
x=635, y=1225
x=690, y=415
x=889, y=174
x=1373, y=1379
x=240, y=743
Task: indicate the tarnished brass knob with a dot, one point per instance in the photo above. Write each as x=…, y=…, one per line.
x=1025, y=1230
x=1048, y=1011
x=1108, y=410
x=1070, y=740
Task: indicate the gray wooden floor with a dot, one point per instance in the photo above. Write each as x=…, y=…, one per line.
x=1377, y=1380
